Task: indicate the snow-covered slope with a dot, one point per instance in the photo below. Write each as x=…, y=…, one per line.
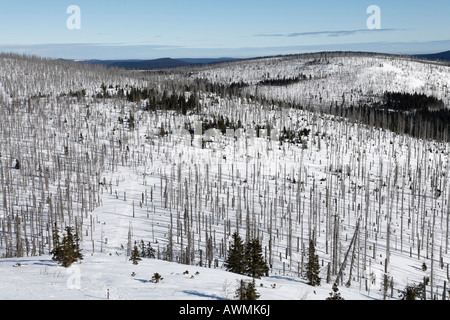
x=81, y=164
x=103, y=276
x=331, y=76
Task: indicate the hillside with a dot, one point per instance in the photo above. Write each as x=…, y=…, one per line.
x=441, y=56
x=331, y=78
x=270, y=148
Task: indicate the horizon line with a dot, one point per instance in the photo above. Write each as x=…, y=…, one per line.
x=116, y=51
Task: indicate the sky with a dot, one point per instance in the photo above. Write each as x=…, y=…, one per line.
x=138, y=29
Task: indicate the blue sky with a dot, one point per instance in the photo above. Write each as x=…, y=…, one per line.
x=112, y=29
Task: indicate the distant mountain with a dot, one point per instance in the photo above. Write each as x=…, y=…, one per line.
x=207, y=60
x=442, y=56
x=163, y=63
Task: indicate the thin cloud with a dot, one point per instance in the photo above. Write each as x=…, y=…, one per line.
x=338, y=33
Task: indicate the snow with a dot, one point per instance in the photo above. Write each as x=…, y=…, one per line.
x=255, y=175
x=335, y=75
x=101, y=274
x=106, y=266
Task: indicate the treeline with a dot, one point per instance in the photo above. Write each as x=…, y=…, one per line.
x=423, y=123
x=294, y=136
x=220, y=123
x=223, y=90
x=154, y=100
x=407, y=102
x=168, y=101
x=285, y=81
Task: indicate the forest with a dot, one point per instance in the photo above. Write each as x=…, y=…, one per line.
x=417, y=115
x=352, y=192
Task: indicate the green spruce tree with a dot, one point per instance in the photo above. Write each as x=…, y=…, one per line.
x=135, y=257
x=251, y=293
x=413, y=292
x=256, y=265
x=142, y=249
x=150, y=252
x=68, y=250
x=246, y=290
x=57, y=253
x=312, y=266
x=235, y=261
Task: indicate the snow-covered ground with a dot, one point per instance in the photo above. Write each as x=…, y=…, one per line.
x=330, y=77
x=102, y=275
x=82, y=166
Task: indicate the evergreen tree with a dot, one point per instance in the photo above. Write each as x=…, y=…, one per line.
x=251, y=293
x=72, y=247
x=56, y=252
x=162, y=131
x=142, y=249
x=131, y=121
x=240, y=292
x=247, y=291
x=156, y=278
x=235, y=261
x=335, y=295
x=169, y=249
x=135, y=257
x=256, y=265
x=68, y=250
x=413, y=292
x=312, y=266
x=150, y=252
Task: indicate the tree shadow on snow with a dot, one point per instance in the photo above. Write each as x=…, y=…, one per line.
x=48, y=263
x=203, y=295
x=286, y=278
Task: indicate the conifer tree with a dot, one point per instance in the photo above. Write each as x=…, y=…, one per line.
x=312, y=266
x=240, y=292
x=57, y=248
x=150, y=252
x=131, y=121
x=68, y=250
x=156, y=278
x=335, y=295
x=246, y=290
x=256, y=266
x=413, y=292
x=235, y=261
x=135, y=257
x=142, y=249
x=17, y=165
x=251, y=293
